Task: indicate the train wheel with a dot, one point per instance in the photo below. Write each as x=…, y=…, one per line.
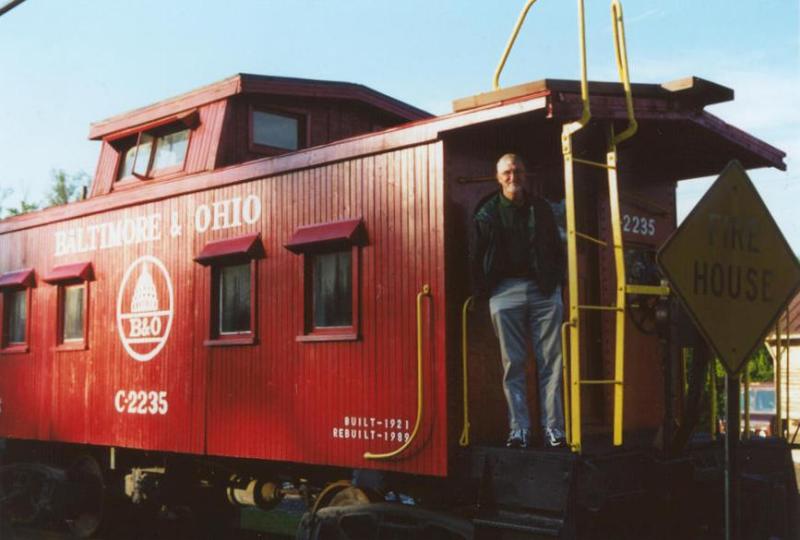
x=86, y=473
x=343, y=493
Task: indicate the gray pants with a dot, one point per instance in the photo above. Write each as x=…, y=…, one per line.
x=521, y=313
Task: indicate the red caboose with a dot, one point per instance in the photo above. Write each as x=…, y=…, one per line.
x=269, y=274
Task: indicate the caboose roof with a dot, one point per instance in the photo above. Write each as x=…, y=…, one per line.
x=246, y=83
x=675, y=135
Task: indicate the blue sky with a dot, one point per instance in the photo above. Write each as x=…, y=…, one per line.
x=66, y=64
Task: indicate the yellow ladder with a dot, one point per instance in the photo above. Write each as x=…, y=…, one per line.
x=572, y=363
x=570, y=330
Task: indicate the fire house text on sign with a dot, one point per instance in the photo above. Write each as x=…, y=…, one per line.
x=732, y=267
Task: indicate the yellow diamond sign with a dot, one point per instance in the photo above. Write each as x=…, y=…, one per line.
x=731, y=266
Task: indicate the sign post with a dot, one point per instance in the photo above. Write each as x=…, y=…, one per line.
x=734, y=272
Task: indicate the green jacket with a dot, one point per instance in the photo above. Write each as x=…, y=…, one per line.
x=488, y=254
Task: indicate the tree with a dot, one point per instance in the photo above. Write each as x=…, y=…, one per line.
x=4, y=193
x=24, y=207
x=66, y=188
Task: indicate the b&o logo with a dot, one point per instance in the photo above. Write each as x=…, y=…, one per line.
x=145, y=307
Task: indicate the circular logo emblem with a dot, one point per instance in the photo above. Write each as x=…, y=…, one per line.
x=145, y=305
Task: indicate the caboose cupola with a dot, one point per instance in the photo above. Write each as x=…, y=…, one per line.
x=242, y=118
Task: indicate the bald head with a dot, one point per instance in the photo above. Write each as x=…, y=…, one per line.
x=511, y=176
x=510, y=158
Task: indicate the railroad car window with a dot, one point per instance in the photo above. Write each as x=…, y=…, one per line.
x=158, y=152
x=233, y=262
x=72, y=281
x=332, y=289
x=15, y=316
x=331, y=253
x=234, y=299
x=274, y=130
x=171, y=149
x=15, y=300
x=74, y=298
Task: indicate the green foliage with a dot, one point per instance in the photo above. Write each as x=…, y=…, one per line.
x=4, y=193
x=66, y=188
x=761, y=369
x=24, y=207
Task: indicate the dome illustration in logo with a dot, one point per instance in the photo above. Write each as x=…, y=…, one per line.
x=145, y=296
x=145, y=328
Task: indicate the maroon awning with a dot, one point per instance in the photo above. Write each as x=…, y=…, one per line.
x=80, y=271
x=334, y=234
x=17, y=278
x=242, y=247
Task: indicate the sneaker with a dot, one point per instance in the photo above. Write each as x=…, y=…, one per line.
x=519, y=438
x=554, y=438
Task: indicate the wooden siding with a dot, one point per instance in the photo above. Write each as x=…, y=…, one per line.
x=279, y=399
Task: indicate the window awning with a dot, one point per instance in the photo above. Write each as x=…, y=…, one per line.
x=331, y=235
x=80, y=271
x=17, y=278
x=231, y=249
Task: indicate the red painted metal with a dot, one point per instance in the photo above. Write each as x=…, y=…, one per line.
x=150, y=378
x=74, y=271
x=346, y=232
x=17, y=278
x=242, y=246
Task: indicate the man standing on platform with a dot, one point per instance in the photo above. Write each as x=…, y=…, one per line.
x=517, y=260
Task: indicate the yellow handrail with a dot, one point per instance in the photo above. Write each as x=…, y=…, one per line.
x=586, y=114
x=619, y=266
x=426, y=291
x=565, y=380
x=511, y=40
x=621, y=53
x=464, y=439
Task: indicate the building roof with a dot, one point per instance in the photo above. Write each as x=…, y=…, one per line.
x=245, y=83
x=793, y=320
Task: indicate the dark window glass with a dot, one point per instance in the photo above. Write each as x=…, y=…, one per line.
x=171, y=149
x=332, y=278
x=275, y=130
x=234, y=299
x=73, y=312
x=15, y=316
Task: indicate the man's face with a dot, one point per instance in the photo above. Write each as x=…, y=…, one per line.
x=511, y=176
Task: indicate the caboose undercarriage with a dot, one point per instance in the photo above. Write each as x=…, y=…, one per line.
x=494, y=492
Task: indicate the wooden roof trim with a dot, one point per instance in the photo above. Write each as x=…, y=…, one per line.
x=247, y=246
x=17, y=278
x=189, y=119
x=331, y=89
x=244, y=83
x=168, y=107
x=82, y=271
x=334, y=234
x=730, y=132
x=693, y=90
